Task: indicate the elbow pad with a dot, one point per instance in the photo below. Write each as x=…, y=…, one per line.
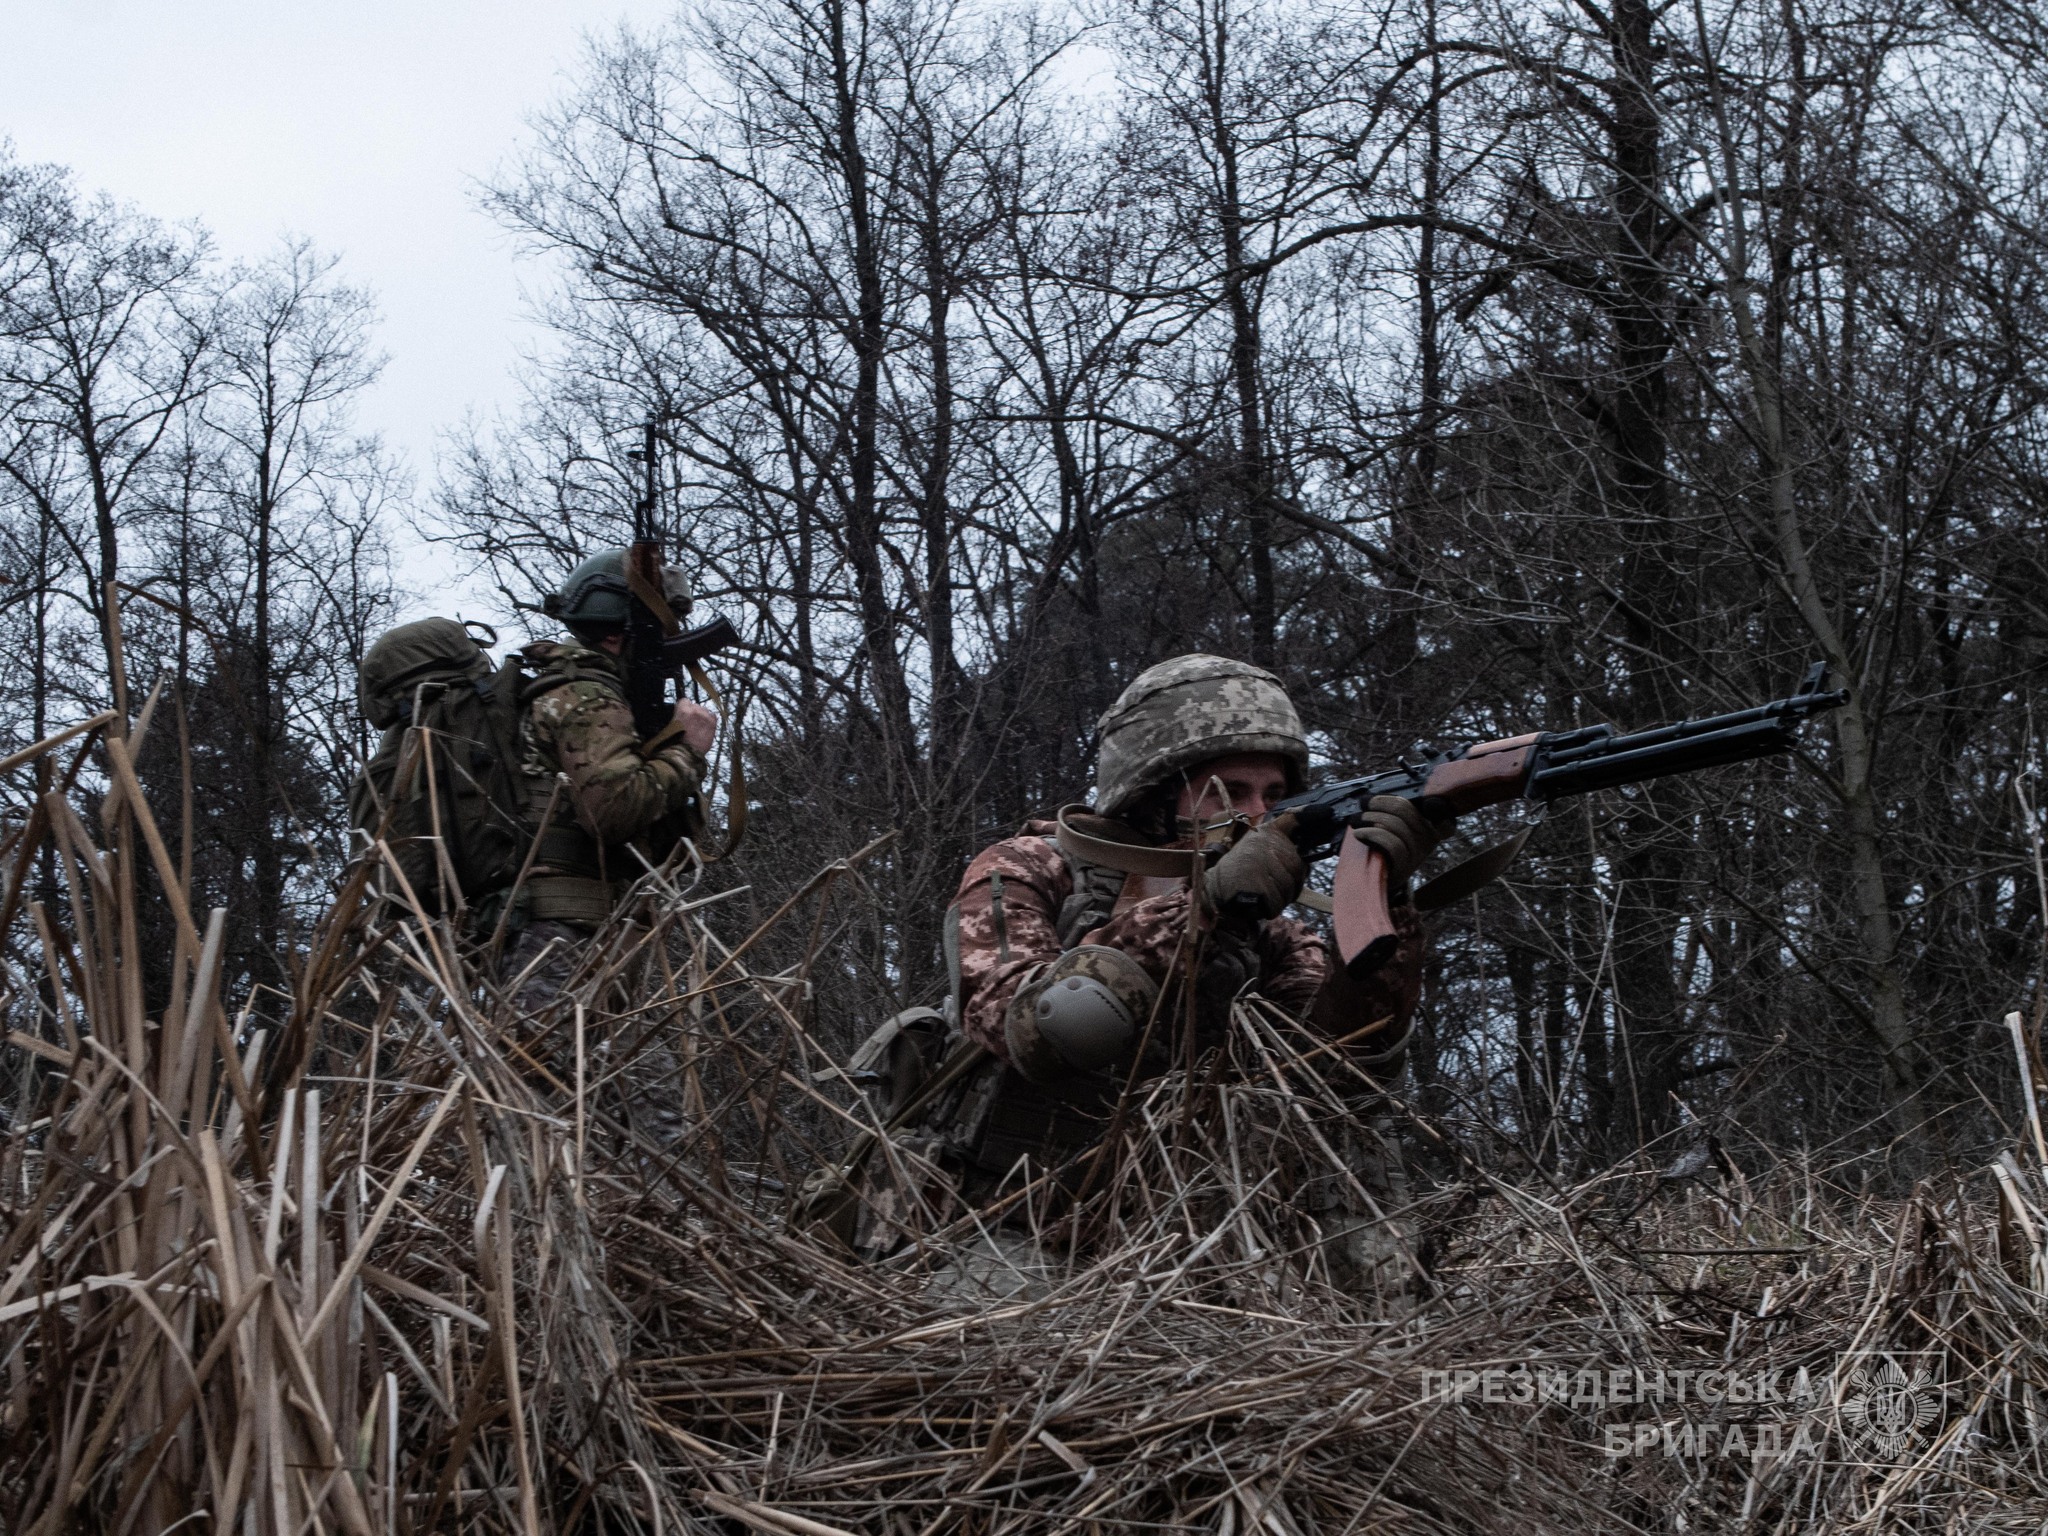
x=1080, y=1015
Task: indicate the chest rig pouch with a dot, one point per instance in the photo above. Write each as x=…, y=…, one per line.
x=1097, y=889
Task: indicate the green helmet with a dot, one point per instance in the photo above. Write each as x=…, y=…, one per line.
x=1186, y=711
x=593, y=599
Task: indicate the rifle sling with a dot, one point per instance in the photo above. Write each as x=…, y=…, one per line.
x=1113, y=852
x=1454, y=884
x=736, y=788
x=650, y=594
x=1482, y=869
x=661, y=738
x=736, y=785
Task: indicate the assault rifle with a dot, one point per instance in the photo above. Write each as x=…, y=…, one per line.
x=657, y=647
x=658, y=655
x=1542, y=766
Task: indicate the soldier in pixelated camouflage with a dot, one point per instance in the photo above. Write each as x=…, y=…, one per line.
x=1062, y=954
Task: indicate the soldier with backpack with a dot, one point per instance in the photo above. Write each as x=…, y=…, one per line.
x=529, y=787
x=616, y=796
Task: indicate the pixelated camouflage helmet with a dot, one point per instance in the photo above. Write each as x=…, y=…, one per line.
x=1186, y=711
x=593, y=599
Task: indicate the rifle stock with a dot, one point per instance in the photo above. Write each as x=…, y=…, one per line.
x=1541, y=766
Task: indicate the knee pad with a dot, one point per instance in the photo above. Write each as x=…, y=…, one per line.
x=1082, y=1014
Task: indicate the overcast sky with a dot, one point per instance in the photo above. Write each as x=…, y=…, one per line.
x=362, y=125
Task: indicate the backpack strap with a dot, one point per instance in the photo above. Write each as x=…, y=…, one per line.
x=558, y=672
x=949, y=941
x=500, y=691
x=1096, y=889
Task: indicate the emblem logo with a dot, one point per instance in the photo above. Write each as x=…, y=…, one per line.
x=1885, y=1409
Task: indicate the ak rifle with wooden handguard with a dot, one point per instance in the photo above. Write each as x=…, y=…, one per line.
x=1542, y=766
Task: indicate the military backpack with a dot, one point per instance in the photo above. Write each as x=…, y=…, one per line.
x=444, y=790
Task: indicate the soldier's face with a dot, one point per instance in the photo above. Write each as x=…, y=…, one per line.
x=1252, y=781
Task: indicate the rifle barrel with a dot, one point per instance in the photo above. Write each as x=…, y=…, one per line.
x=1577, y=761
x=1655, y=754
x=1782, y=712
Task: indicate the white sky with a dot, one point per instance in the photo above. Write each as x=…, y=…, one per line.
x=363, y=126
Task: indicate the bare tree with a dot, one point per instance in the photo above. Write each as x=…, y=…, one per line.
x=107, y=333
x=1484, y=369
x=183, y=497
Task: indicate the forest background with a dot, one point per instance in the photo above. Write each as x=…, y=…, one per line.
x=1479, y=368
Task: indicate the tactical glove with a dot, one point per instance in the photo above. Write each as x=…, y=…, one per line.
x=1259, y=877
x=1403, y=834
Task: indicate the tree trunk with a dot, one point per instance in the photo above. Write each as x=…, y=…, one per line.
x=1252, y=475
x=864, y=522
x=265, y=856
x=1650, y=862
x=934, y=491
x=1762, y=350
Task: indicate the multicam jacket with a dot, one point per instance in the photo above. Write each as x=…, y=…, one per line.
x=1000, y=943
x=577, y=722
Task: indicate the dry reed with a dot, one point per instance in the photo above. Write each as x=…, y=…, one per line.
x=404, y=1259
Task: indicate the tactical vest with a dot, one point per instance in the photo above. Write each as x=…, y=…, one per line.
x=575, y=877
x=566, y=846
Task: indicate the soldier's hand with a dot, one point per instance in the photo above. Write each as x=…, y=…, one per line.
x=1398, y=830
x=1259, y=877
x=700, y=726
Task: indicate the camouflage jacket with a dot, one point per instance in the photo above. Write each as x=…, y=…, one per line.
x=577, y=722
x=1001, y=943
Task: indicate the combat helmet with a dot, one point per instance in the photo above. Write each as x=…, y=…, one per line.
x=594, y=598
x=1186, y=711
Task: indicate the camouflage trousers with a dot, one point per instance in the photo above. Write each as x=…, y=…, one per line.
x=1370, y=1236
x=542, y=959
x=558, y=946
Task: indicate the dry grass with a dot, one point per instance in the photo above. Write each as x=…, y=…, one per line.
x=411, y=1261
